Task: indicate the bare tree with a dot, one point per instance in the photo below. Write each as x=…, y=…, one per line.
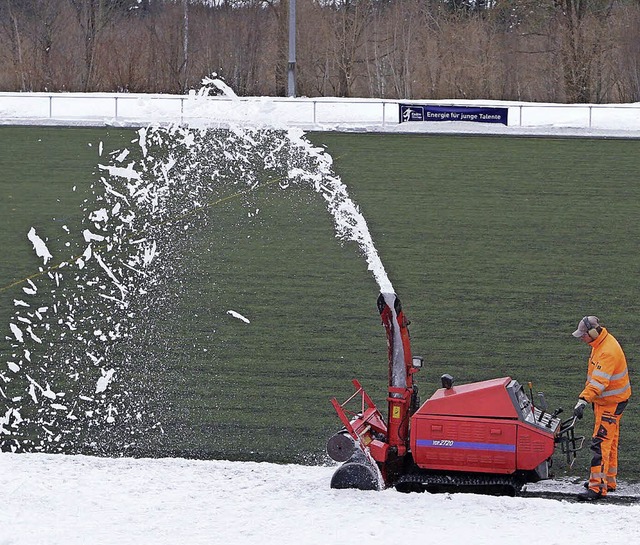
x=581, y=39
x=16, y=39
x=627, y=62
x=390, y=48
x=279, y=9
x=93, y=17
x=350, y=21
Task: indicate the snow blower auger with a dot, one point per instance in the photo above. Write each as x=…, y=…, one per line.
x=484, y=437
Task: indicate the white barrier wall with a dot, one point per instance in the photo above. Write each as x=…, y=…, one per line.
x=96, y=109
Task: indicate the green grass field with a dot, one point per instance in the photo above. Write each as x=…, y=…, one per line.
x=496, y=246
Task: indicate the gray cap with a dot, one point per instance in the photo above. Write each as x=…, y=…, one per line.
x=593, y=322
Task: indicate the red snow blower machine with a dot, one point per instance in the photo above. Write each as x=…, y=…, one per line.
x=485, y=437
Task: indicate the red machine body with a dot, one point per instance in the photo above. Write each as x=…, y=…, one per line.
x=481, y=427
x=485, y=434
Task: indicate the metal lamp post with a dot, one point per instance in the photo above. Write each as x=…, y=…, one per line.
x=291, y=73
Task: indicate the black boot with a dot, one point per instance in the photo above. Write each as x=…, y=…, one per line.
x=589, y=495
x=609, y=489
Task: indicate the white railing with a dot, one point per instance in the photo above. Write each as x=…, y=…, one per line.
x=97, y=109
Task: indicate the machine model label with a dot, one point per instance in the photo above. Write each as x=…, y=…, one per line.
x=464, y=445
x=442, y=443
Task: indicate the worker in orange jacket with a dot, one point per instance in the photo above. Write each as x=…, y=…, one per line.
x=608, y=390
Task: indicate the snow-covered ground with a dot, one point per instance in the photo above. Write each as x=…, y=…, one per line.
x=55, y=499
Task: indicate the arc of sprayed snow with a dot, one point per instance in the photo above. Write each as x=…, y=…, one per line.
x=350, y=223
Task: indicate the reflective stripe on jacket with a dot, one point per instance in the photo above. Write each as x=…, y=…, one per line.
x=607, y=376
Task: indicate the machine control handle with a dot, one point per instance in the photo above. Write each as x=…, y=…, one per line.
x=569, y=443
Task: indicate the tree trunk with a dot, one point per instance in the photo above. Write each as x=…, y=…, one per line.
x=17, y=49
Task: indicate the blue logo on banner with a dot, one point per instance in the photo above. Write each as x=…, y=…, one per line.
x=411, y=113
x=425, y=112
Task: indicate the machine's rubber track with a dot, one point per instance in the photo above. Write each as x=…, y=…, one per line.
x=494, y=485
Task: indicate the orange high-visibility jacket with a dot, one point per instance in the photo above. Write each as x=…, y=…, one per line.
x=607, y=376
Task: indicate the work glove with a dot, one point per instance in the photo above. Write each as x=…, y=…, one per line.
x=578, y=410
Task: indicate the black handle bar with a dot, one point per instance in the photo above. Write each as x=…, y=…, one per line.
x=569, y=443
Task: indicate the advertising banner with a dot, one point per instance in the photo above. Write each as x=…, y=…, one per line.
x=426, y=112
